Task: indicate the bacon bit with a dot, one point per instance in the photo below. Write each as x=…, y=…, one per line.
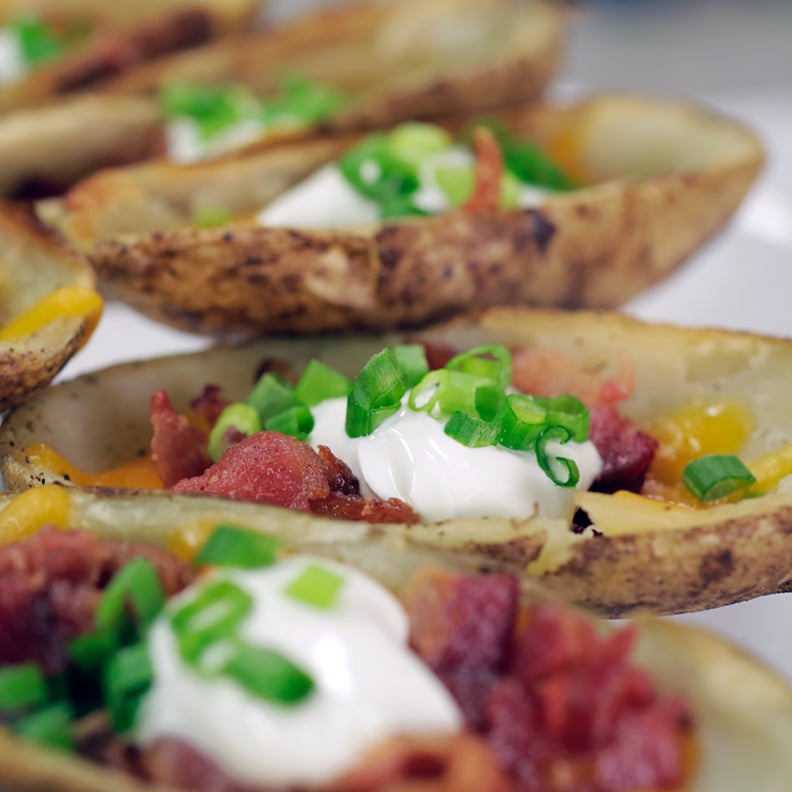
x=551, y=372
x=488, y=173
x=626, y=451
x=438, y=353
x=351, y=507
x=339, y=476
x=456, y=763
x=177, y=448
x=267, y=467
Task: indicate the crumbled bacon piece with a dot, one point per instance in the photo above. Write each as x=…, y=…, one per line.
x=351, y=507
x=626, y=451
x=557, y=703
x=267, y=467
x=488, y=171
x=50, y=587
x=438, y=353
x=339, y=477
x=178, y=449
x=209, y=403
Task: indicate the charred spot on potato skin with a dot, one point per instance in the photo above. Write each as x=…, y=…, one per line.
x=543, y=230
x=716, y=566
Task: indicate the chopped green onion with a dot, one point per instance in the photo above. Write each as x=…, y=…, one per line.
x=297, y=421
x=715, y=476
x=376, y=393
x=316, y=586
x=213, y=108
x=271, y=396
x=127, y=676
x=413, y=141
x=237, y=417
x=268, y=675
x=471, y=431
x=137, y=583
x=233, y=546
x=302, y=100
x=567, y=410
x=569, y=475
x=374, y=172
x=37, y=42
x=492, y=361
x=451, y=391
x=412, y=359
x=214, y=614
x=523, y=421
x=92, y=650
x=456, y=183
x=22, y=686
x=400, y=206
x=51, y=726
x=320, y=382
x=211, y=217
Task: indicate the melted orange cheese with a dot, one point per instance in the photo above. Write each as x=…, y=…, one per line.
x=31, y=510
x=67, y=301
x=135, y=474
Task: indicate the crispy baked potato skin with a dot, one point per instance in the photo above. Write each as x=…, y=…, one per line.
x=482, y=53
x=742, y=711
x=35, y=262
x=124, y=35
x=712, y=557
x=665, y=177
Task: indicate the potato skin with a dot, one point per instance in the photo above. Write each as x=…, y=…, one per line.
x=713, y=557
x=35, y=263
x=595, y=247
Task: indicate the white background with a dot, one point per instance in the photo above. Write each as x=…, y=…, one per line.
x=736, y=56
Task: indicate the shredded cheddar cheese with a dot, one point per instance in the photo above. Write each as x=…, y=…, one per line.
x=770, y=468
x=31, y=510
x=67, y=301
x=698, y=428
x=135, y=474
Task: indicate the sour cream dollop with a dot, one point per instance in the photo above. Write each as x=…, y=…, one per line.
x=410, y=457
x=12, y=64
x=369, y=685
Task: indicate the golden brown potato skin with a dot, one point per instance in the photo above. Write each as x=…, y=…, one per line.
x=124, y=36
x=664, y=177
x=711, y=557
x=35, y=263
x=742, y=711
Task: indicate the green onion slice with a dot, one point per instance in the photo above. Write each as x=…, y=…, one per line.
x=373, y=171
x=561, y=471
x=233, y=546
x=271, y=396
x=454, y=391
x=320, y=382
x=523, y=421
x=376, y=393
x=92, y=650
x=268, y=675
x=412, y=359
x=212, y=217
x=22, y=686
x=316, y=586
x=303, y=101
x=51, y=726
x=239, y=417
x=297, y=421
x=214, y=614
x=492, y=361
x=212, y=108
x=136, y=583
x=37, y=41
x=127, y=677
x=413, y=141
x=715, y=476
x=471, y=431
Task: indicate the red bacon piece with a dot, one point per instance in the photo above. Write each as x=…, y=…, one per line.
x=51, y=583
x=626, y=451
x=209, y=403
x=177, y=448
x=267, y=467
x=487, y=174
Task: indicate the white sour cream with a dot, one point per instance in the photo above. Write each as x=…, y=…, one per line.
x=327, y=200
x=185, y=142
x=12, y=64
x=410, y=457
x=324, y=199
x=369, y=685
